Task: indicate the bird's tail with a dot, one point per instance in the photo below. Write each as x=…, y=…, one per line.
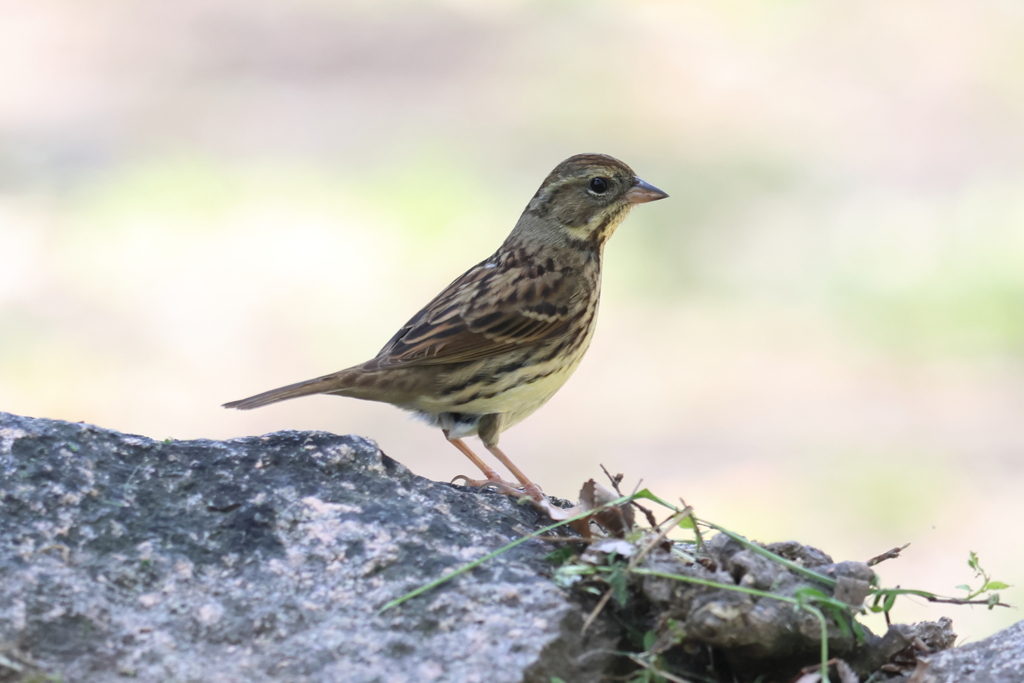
x=328, y=384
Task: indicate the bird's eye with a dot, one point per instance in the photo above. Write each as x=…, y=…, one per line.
x=598, y=185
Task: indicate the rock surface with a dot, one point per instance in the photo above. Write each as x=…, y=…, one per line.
x=268, y=558
x=264, y=558
x=996, y=659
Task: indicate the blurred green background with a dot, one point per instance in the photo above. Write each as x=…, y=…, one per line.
x=819, y=336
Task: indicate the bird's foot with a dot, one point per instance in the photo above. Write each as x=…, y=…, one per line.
x=531, y=491
x=502, y=486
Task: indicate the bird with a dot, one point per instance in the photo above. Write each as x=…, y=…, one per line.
x=501, y=339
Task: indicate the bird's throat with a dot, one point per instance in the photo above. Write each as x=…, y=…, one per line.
x=600, y=229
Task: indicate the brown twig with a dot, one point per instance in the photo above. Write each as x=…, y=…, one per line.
x=887, y=555
x=685, y=512
x=616, y=480
x=947, y=601
x=959, y=601
x=597, y=609
x=647, y=513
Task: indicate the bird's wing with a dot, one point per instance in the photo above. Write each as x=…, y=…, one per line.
x=491, y=309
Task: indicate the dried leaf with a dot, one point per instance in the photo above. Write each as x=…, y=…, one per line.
x=598, y=552
x=617, y=521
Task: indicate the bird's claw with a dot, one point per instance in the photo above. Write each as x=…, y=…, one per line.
x=531, y=491
x=501, y=485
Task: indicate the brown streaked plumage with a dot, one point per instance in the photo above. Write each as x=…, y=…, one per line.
x=501, y=339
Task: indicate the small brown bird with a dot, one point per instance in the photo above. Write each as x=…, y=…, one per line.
x=500, y=340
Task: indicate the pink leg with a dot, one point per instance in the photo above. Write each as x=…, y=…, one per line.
x=529, y=488
x=492, y=477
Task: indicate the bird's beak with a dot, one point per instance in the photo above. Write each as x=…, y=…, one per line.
x=643, y=191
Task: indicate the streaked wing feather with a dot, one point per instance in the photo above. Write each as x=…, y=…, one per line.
x=486, y=312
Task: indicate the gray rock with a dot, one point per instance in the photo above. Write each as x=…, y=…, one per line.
x=996, y=659
x=264, y=559
x=268, y=558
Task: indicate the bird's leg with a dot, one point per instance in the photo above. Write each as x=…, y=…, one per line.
x=493, y=478
x=529, y=488
x=491, y=474
x=488, y=429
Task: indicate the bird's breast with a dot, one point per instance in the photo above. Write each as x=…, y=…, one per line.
x=515, y=383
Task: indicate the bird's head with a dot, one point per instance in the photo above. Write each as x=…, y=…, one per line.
x=584, y=199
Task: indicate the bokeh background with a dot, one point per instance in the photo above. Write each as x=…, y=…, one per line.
x=819, y=336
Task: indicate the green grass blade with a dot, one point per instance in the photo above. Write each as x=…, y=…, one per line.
x=789, y=564
x=476, y=563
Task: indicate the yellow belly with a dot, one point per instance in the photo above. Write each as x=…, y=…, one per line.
x=514, y=395
x=517, y=402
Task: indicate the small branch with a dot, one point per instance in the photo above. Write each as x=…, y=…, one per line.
x=931, y=597
x=616, y=480
x=887, y=555
x=675, y=519
x=647, y=513
x=958, y=601
x=597, y=609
